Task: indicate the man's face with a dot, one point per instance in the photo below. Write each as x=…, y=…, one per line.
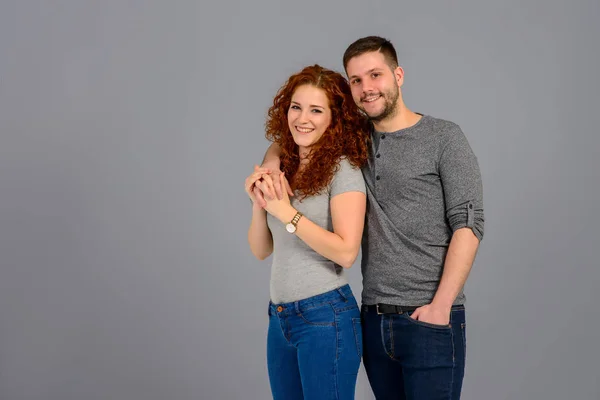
x=375, y=87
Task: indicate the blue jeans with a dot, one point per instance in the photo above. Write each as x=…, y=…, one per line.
x=406, y=359
x=314, y=347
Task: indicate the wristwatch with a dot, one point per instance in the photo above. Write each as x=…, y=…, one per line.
x=291, y=226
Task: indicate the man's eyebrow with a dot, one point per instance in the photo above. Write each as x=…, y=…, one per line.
x=368, y=72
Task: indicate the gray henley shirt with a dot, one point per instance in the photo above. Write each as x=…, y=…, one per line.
x=423, y=183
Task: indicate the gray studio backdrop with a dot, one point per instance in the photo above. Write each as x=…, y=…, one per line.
x=128, y=128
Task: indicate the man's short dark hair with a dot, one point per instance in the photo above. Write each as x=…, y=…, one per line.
x=369, y=44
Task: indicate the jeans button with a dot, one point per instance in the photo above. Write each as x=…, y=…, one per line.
x=279, y=309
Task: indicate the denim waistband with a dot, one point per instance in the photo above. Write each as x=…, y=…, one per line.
x=343, y=294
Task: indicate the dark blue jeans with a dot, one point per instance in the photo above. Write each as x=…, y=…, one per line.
x=406, y=359
x=314, y=347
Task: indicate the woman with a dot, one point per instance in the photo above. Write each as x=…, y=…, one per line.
x=314, y=343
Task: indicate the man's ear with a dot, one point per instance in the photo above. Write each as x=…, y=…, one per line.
x=399, y=75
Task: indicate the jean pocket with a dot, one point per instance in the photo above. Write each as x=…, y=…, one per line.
x=358, y=335
x=323, y=315
x=427, y=324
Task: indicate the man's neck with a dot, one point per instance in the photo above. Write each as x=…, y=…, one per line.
x=404, y=118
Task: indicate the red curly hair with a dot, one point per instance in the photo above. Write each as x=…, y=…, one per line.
x=347, y=135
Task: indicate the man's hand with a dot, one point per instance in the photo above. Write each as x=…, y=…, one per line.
x=264, y=192
x=432, y=314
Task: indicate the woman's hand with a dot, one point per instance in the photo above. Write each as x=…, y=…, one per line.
x=252, y=180
x=263, y=192
x=279, y=208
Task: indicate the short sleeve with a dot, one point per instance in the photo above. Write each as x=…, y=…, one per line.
x=347, y=179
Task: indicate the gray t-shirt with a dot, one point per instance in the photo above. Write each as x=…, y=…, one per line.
x=299, y=272
x=423, y=183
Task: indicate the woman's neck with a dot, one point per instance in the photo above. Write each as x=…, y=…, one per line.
x=303, y=153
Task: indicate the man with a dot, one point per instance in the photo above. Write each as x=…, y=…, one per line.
x=423, y=226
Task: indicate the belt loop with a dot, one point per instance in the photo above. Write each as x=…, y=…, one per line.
x=340, y=291
x=297, y=307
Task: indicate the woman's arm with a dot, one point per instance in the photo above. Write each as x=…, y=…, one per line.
x=348, y=216
x=259, y=234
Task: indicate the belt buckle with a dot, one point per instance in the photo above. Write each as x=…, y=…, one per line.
x=377, y=308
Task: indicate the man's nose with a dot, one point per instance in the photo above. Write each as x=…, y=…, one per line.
x=367, y=86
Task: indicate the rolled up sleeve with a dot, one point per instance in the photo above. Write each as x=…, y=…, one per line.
x=462, y=184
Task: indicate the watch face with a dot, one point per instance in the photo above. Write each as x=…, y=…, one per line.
x=290, y=228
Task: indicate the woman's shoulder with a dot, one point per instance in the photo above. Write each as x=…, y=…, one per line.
x=347, y=178
x=345, y=166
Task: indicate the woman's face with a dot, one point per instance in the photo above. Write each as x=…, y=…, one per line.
x=309, y=115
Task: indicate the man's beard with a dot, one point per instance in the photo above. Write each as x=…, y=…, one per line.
x=390, y=108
